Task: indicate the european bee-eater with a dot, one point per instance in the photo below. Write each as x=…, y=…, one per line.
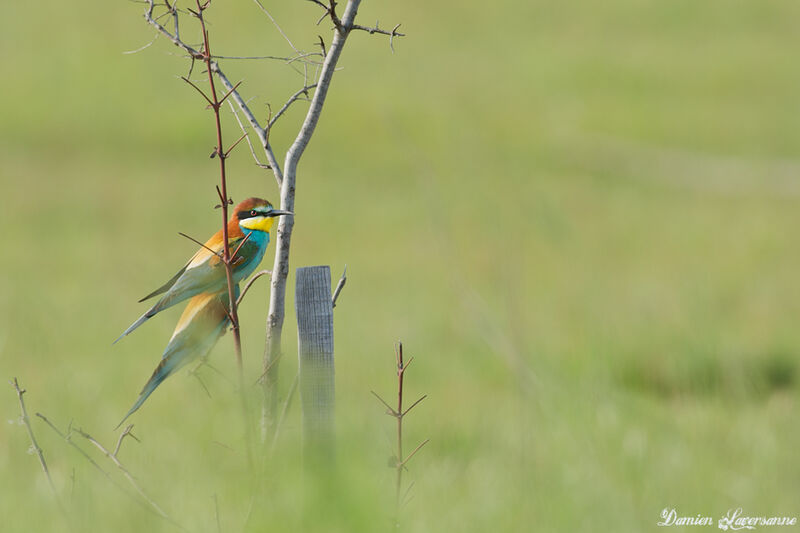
x=248, y=231
x=202, y=323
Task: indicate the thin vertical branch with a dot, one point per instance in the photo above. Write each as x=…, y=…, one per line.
x=399, y=414
x=280, y=270
x=215, y=103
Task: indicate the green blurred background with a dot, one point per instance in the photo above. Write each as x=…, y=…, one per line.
x=580, y=217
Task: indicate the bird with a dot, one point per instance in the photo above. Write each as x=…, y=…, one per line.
x=202, y=323
x=248, y=232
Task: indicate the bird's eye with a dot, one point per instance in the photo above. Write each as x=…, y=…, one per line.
x=253, y=213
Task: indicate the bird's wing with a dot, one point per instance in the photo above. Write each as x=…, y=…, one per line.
x=165, y=287
x=205, y=272
x=202, y=323
x=200, y=257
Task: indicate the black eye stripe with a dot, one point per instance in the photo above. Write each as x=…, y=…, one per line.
x=250, y=213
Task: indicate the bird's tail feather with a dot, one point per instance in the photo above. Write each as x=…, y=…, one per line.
x=164, y=369
x=141, y=320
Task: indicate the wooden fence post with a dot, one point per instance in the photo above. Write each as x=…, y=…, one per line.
x=315, y=339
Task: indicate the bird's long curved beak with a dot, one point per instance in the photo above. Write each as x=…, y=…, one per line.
x=279, y=212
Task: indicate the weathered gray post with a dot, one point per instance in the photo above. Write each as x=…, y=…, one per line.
x=315, y=339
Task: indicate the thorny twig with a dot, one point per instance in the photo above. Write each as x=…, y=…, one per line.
x=215, y=102
x=330, y=11
x=399, y=462
x=391, y=33
x=195, y=54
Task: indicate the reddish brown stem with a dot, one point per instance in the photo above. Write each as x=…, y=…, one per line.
x=215, y=103
x=400, y=371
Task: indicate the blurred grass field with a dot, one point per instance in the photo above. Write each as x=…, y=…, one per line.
x=581, y=219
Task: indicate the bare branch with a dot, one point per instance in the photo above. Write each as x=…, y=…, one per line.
x=218, y=254
x=262, y=135
x=302, y=58
x=418, y=448
x=148, y=15
x=322, y=45
x=71, y=443
x=334, y=18
x=227, y=153
x=250, y=283
x=233, y=255
x=198, y=89
x=249, y=143
x=323, y=6
x=67, y=438
x=339, y=287
x=398, y=461
x=129, y=52
x=276, y=26
x=280, y=270
x=125, y=433
x=127, y=475
x=404, y=413
x=229, y=93
x=214, y=66
x=391, y=33
x=292, y=99
x=34, y=444
x=389, y=410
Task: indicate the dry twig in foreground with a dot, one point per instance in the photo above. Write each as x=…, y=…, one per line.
x=398, y=461
x=34, y=444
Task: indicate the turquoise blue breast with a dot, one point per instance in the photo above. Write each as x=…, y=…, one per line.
x=253, y=250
